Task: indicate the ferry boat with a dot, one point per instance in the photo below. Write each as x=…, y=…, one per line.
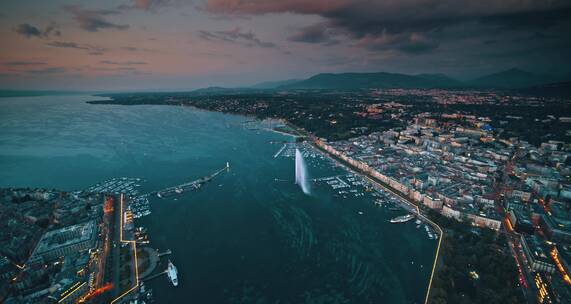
x=172, y=273
x=402, y=219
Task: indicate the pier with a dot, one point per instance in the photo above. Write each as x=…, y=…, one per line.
x=280, y=151
x=193, y=185
x=168, y=252
x=154, y=276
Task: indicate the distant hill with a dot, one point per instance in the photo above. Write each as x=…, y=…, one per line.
x=213, y=90
x=559, y=89
x=445, y=80
x=510, y=79
x=274, y=84
x=372, y=80
x=268, y=85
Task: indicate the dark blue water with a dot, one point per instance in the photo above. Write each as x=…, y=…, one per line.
x=251, y=235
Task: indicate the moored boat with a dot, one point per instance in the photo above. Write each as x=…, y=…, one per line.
x=172, y=273
x=402, y=219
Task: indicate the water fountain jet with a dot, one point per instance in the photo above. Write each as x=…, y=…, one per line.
x=301, y=172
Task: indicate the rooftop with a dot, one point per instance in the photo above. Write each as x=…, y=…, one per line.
x=64, y=237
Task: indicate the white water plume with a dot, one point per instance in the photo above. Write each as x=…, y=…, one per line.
x=301, y=172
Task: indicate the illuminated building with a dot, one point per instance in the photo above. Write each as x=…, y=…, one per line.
x=562, y=265
x=536, y=254
x=63, y=241
x=543, y=296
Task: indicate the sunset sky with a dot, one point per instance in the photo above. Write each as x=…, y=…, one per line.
x=178, y=44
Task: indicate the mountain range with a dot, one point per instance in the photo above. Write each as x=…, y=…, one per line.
x=372, y=80
x=274, y=84
x=509, y=79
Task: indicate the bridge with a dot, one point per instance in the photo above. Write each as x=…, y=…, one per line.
x=189, y=186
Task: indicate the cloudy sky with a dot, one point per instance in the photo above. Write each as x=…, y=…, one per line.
x=185, y=44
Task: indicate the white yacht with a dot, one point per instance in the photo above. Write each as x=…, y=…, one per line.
x=172, y=273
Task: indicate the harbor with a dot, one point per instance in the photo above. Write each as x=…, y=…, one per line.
x=125, y=204
x=326, y=180
x=349, y=185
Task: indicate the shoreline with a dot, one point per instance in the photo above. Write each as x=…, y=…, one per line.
x=281, y=132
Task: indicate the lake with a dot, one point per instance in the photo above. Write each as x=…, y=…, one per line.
x=249, y=236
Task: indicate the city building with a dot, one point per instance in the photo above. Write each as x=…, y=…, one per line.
x=60, y=242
